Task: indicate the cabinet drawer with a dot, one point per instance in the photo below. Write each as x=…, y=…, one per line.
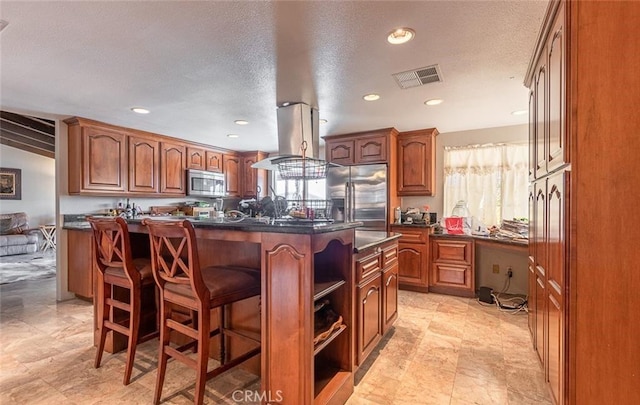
x=389, y=256
x=412, y=236
x=368, y=265
x=453, y=251
x=451, y=275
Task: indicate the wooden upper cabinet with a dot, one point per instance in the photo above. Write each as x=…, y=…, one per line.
x=254, y=181
x=557, y=150
x=340, y=152
x=416, y=162
x=144, y=164
x=213, y=161
x=361, y=147
x=231, y=165
x=196, y=158
x=541, y=120
x=97, y=158
x=172, y=168
x=371, y=150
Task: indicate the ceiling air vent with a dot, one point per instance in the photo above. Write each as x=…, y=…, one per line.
x=418, y=77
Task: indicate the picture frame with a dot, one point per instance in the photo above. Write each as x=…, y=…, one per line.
x=10, y=184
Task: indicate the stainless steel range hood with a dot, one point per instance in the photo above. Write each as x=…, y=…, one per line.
x=298, y=125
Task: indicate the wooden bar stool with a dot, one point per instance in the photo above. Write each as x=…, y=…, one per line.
x=113, y=259
x=181, y=281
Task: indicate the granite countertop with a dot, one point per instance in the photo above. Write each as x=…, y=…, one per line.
x=482, y=238
x=414, y=225
x=367, y=239
x=78, y=222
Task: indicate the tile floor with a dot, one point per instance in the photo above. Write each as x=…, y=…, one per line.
x=443, y=350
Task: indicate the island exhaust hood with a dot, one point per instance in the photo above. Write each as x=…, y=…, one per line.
x=298, y=125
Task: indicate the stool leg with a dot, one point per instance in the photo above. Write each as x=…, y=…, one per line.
x=103, y=315
x=222, y=326
x=134, y=328
x=162, y=355
x=204, y=325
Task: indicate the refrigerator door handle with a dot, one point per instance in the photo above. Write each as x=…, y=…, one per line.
x=347, y=203
x=353, y=202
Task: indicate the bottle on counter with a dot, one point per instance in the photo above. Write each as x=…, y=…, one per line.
x=398, y=215
x=128, y=212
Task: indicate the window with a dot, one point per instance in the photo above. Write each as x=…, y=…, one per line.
x=492, y=179
x=292, y=189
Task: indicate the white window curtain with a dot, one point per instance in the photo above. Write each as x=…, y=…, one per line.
x=492, y=179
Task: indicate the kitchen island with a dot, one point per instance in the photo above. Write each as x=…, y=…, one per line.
x=301, y=265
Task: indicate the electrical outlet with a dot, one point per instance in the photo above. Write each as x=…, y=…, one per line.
x=496, y=268
x=509, y=272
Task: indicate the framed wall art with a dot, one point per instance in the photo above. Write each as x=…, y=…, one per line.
x=10, y=184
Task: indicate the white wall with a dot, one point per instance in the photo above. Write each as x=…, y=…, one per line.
x=486, y=257
x=515, y=133
x=38, y=185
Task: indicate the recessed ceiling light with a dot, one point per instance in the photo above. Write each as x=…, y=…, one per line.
x=322, y=121
x=241, y=122
x=519, y=112
x=401, y=35
x=434, y=101
x=233, y=136
x=371, y=97
x=140, y=110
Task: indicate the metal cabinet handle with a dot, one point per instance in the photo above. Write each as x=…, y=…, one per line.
x=371, y=291
x=389, y=279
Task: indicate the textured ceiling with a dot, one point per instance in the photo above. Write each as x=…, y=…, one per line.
x=198, y=66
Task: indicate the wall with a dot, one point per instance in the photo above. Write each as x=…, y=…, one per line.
x=515, y=133
x=486, y=256
x=38, y=185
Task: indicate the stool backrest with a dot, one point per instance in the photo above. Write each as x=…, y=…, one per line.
x=112, y=247
x=174, y=258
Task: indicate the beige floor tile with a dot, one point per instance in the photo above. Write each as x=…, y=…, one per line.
x=442, y=350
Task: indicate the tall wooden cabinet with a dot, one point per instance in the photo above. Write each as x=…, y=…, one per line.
x=416, y=162
x=172, y=172
x=231, y=168
x=584, y=296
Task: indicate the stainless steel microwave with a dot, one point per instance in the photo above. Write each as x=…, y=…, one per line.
x=205, y=184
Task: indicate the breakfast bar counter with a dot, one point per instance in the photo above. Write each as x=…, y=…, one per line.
x=300, y=265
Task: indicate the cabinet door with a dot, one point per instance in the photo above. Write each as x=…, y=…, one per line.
x=557, y=150
x=416, y=163
x=341, y=152
x=452, y=267
x=557, y=207
x=369, y=316
x=541, y=117
x=214, y=161
x=533, y=162
x=144, y=164
x=253, y=181
x=371, y=150
x=104, y=160
x=531, y=302
x=412, y=264
x=196, y=158
x=80, y=262
x=172, y=169
x=389, y=297
x=231, y=164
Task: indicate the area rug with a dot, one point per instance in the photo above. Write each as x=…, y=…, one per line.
x=30, y=266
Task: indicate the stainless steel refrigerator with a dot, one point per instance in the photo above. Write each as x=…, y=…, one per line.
x=359, y=193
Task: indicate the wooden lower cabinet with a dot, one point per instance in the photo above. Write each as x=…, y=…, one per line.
x=413, y=257
x=452, y=266
x=376, y=272
x=80, y=271
x=369, y=316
